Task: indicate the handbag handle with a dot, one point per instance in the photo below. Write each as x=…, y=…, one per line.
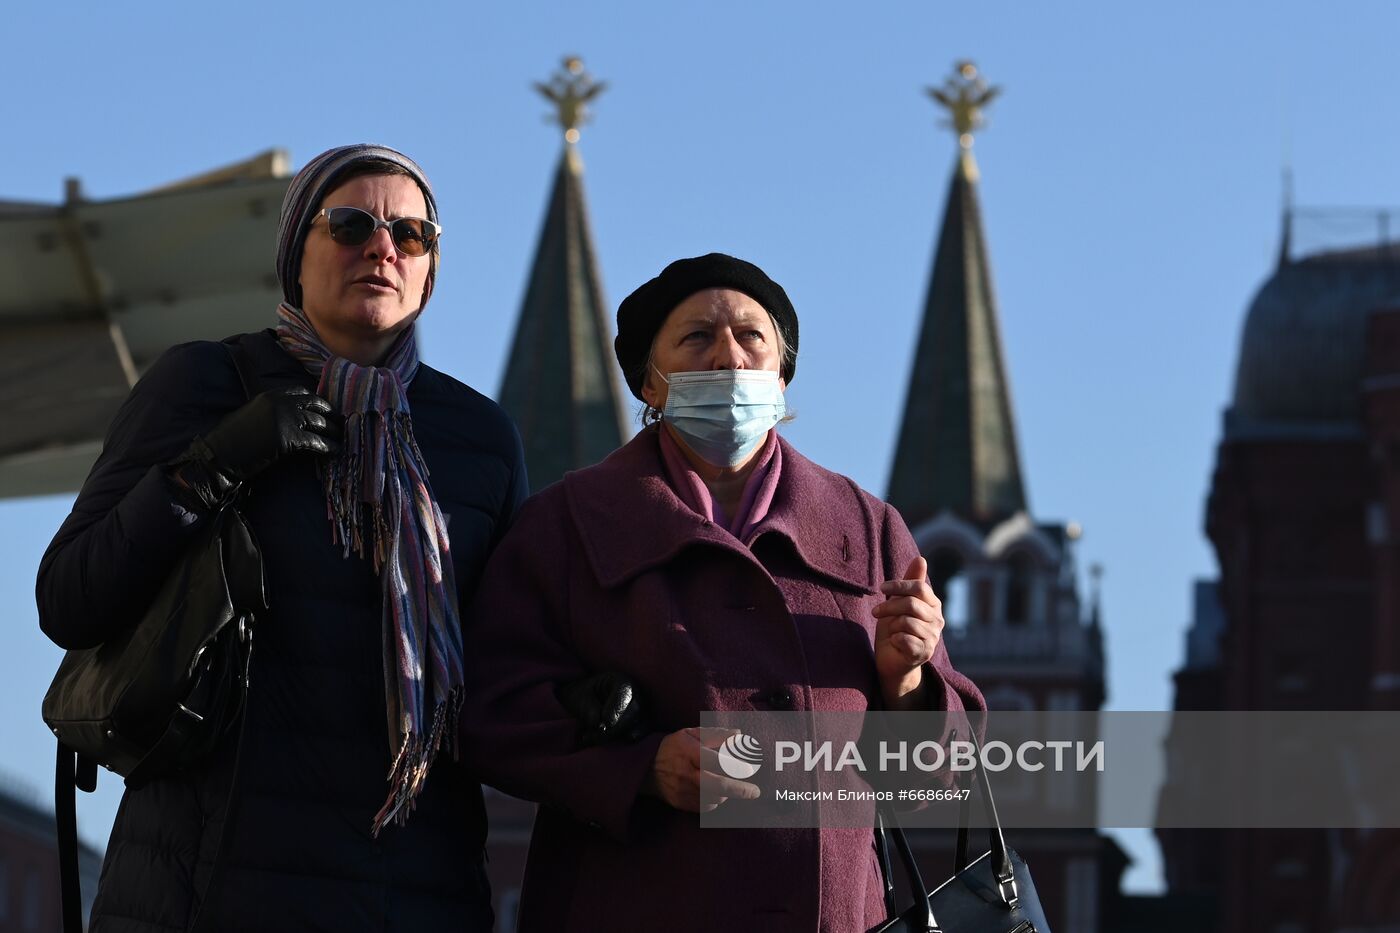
x=1002, y=871
x=996, y=842
x=911, y=869
x=882, y=852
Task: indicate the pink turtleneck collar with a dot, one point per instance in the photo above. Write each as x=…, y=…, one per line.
x=758, y=490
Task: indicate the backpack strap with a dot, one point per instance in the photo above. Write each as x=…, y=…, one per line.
x=65, y=813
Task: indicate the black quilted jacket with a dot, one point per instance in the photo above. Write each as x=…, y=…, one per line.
x=316, y=748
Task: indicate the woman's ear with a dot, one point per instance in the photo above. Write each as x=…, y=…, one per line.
x=650, y=394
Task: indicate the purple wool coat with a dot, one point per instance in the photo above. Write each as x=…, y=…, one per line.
x=609, y=570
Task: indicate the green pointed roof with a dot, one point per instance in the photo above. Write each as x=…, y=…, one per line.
x=957, y=443
x=561, y=384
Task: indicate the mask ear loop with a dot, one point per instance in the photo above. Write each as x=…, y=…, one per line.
x=660, y=412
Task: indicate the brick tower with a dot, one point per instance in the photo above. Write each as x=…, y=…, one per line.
x=1008, y=581
x=1304, y=515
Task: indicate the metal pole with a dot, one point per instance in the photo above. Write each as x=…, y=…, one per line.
x=87, y=274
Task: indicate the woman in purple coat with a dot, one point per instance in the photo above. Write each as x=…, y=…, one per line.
x=717, y=569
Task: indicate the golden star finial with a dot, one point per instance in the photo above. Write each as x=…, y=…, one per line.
x=571, y=89
x=965, y=93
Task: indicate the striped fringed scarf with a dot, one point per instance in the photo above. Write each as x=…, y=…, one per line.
x=380, y=502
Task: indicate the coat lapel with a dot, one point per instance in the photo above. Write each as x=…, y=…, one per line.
x=628, y=516
x=828, y=521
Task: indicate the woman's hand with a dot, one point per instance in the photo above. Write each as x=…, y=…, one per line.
x=273, y=425
x=687, y=775
x=908, y=625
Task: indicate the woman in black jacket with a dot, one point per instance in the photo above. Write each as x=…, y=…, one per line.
x=357, y=459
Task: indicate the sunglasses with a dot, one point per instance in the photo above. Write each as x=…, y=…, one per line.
x=350, y=226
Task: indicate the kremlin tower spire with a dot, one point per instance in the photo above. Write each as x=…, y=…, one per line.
x=957, y=443
x=561, y=385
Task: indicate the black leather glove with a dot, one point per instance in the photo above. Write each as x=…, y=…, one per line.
x=275, y=424
x=606, y=706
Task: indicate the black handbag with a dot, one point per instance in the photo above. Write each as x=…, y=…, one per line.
x=161, y=695
x=992, y=894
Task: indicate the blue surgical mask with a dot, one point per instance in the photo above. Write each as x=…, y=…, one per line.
x=723, y=414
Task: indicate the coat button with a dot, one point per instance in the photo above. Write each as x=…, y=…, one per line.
x=781, y=698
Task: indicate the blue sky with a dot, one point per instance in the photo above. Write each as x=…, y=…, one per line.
x=1131, y=189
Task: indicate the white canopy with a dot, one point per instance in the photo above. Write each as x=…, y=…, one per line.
x=91, y=292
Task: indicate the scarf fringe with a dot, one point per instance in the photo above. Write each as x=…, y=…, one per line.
x=410, y=769
x=370, y=471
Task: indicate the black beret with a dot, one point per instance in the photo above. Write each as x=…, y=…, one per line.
x=642, y=313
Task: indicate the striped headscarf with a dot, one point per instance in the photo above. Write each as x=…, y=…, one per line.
x=379, y=500
x=317, y=179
